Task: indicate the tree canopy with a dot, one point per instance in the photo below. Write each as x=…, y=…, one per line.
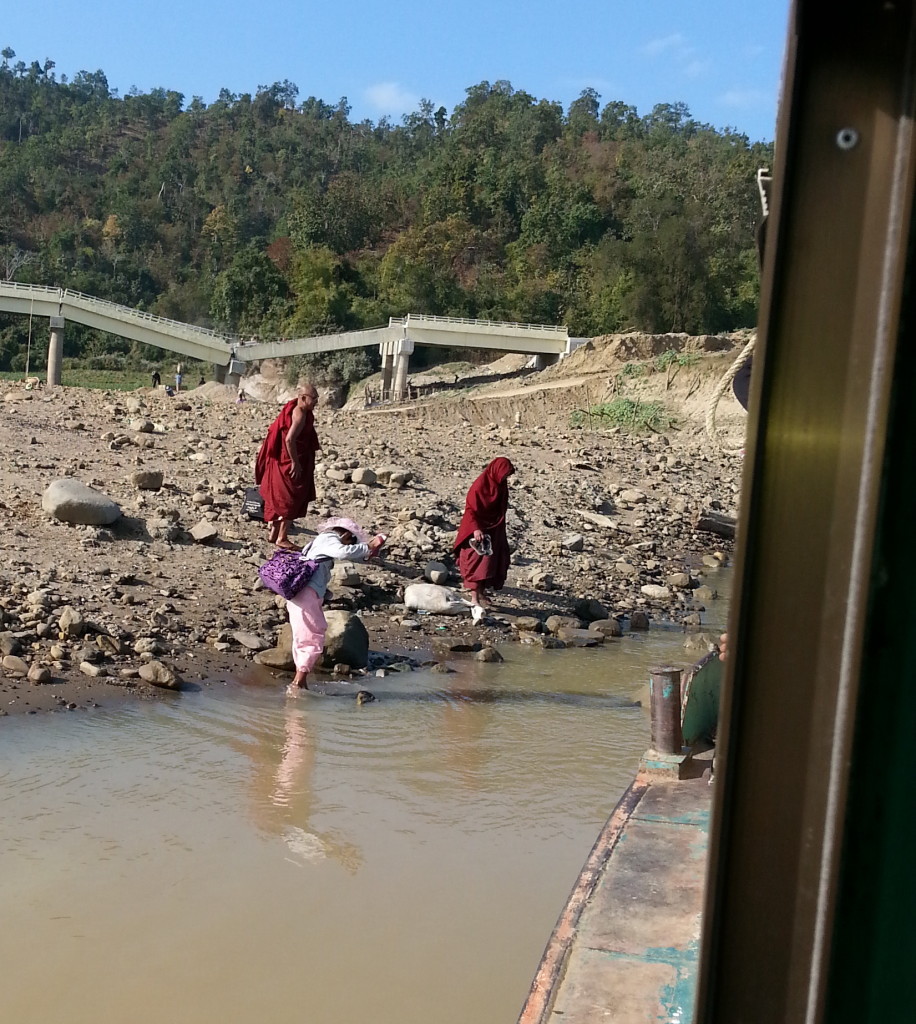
x=276, y=216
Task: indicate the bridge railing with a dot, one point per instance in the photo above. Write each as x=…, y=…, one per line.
x=128, y=313
x=404, y=321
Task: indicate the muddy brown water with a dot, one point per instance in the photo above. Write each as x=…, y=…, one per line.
x=237, y=856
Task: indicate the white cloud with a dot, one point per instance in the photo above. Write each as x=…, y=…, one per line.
x=696, y=68
x=391, y=98
x=665, y=44
x=744, y=98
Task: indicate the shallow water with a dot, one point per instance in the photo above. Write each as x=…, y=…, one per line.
x=236, y=856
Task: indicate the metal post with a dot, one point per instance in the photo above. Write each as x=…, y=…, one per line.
x=665, y=709
x=56, y=351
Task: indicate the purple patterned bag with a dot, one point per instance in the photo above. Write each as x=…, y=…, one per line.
x=287, y=572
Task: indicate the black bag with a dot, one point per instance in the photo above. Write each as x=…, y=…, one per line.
x=253, y=505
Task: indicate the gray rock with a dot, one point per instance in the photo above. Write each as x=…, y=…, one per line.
x=633, y=497
x=589, y=609
x=655, y=592
x=526, y=624
x=147, y=479
x=606, y=627
x=346, y=640
x=71, y=623
x=13, y=666
x=38, y=674
x=159, y=674
x=488, y=654
x=9, y=644
x=142, y=426
x=345, y=574
x=251, y=641
x=705, y=594
x=678, y=579
x=580, y=637
x=204, y=532
x=436, y=572
x=91, y=669
x=557, y=622
x=276, y=657
x=574, y=542
x=364, y=476
x=542, y=580
x=71, y=501
x=639, y=620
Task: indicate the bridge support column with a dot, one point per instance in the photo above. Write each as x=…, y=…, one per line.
x=386, y=350
x=56, y=351
x=403, y=348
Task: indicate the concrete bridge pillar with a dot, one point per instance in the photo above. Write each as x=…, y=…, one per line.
x=386, y=350
x=56, y=351
x=403, y=348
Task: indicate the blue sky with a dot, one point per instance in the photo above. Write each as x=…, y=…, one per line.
x=722, y=59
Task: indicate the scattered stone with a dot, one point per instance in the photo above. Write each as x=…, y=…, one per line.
x=489, y=654
x=14, y=666
x=681, y=580
x=147, y=479
x=436, y=572
x=251, y=641
x=655, y=592
x=204, y=532
x=159, y=674
x=364, y=476
x=71, y=622
x=639, y=621
x=276, y=657
x=557, y=622
x=606, y=627
x=91, y=669
x=39, y=674
x=574, y=542
x=346, y=640
x=73, y=502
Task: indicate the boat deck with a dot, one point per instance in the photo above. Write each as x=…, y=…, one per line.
x=626, y=946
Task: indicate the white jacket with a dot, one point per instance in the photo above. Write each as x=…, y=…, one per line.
x=328, y=547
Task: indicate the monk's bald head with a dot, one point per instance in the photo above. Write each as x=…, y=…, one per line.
x=308, y=395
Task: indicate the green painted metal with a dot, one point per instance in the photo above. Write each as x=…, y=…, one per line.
x=700, y=701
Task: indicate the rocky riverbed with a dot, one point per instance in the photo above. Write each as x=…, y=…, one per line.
x=160, y=592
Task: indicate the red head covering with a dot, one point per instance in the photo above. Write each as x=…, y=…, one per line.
x=487, y=501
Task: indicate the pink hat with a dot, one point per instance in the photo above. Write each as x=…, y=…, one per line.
x=338, y=522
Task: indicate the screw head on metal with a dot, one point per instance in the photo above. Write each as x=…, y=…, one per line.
x=847, y=138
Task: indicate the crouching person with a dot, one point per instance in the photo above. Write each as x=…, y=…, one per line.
x=337, y=538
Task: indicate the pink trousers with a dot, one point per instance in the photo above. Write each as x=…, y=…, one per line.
x=309, y=626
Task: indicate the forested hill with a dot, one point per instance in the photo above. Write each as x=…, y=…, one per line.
x=267, y=215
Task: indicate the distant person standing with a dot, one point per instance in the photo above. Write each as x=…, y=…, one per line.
x=285, y=466
x=202, y=381
x=178, y=377
x=157, y=380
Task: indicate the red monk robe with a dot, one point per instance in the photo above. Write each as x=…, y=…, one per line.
x=284, y=497
x=485, y=509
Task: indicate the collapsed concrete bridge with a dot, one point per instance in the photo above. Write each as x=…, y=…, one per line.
x=229, y=353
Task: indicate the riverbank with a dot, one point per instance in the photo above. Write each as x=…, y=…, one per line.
x=603, y=523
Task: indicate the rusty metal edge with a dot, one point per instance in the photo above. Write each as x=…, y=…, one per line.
x=556, y=953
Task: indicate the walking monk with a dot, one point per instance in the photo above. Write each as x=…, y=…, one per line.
x=481, y=544
x=285, y=467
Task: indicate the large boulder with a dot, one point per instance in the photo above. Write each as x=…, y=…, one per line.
x=346, y=641
x=71, y=501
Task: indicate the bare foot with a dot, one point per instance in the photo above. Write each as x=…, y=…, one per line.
x=273, y=531
x=287, y=545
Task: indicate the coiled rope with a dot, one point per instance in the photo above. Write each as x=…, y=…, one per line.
x=723, y=386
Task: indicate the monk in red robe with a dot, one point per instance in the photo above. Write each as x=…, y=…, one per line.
x=285, y=467
x=481, y=544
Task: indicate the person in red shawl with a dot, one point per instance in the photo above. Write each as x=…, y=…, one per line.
x=285, y=467
x=481, y=544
